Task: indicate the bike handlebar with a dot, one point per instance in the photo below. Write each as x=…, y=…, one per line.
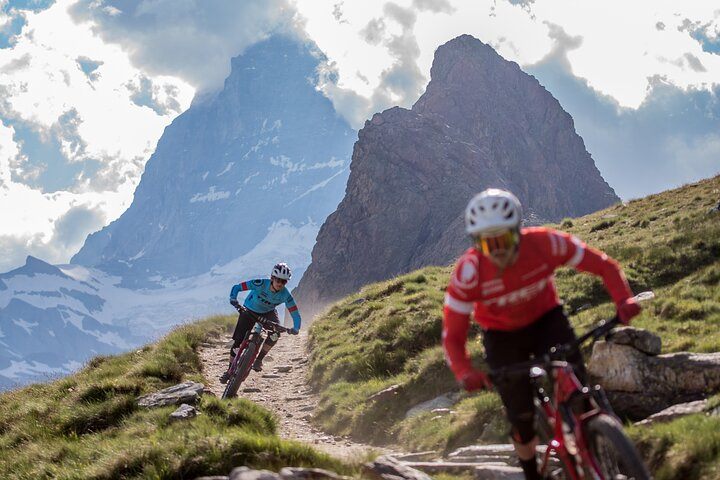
x=268, y=324
x=561, y=351
x=265, y=322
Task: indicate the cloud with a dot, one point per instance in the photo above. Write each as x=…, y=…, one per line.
x=384, y=66
x=670, y=139
x=190, y=39
x=75, y=91
x=79, y=121
x=435, y=6
x=71, y=228
x=694, y=62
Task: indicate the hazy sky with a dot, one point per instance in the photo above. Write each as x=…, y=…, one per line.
x=87, y=86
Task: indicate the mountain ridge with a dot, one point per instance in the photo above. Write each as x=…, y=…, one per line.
x=268, y=147
x=481, y=122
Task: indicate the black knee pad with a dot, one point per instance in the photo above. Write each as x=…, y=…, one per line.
x=523, y=428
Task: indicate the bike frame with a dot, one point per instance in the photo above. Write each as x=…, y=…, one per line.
x=569, y=406
x=252, y=335
x=572, y=451
x=255, y=334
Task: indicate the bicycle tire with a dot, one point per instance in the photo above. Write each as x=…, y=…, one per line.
x=241, y=372
x=613, y=452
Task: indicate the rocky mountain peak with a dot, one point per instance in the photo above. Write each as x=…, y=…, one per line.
x=267, y=148
x=482, y=122
x=34, y=266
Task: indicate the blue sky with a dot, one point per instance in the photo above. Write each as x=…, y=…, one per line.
x=87, y=86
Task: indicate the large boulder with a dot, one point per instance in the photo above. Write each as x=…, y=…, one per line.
x=639, y=385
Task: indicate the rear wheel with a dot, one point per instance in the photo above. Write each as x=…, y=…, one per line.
x=241, y=371
x=613, y=452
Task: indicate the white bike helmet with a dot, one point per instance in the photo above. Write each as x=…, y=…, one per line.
x=492, y=210
x=281, y=271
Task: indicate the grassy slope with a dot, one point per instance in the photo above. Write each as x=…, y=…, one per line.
x=88, y=426
x=388, y=333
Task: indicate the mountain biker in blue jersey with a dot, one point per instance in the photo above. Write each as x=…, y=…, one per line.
x=265, y=294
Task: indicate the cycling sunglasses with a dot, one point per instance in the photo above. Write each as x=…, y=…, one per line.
x=488, y=244
x=281, y=280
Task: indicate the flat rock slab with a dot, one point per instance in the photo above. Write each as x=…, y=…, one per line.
x=499, y=473
x=676, y=411
x=184, y=412
x=187, y=392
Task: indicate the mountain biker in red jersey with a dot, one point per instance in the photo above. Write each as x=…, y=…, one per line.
x=507, y=279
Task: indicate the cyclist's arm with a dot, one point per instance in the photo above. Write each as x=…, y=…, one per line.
x=456, y=323
x=586, y=259
x=244, y=286
x=294, y=312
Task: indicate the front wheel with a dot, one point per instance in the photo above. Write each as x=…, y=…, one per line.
x=614, y=454
x=241, y=370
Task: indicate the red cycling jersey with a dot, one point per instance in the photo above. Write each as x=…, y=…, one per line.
x=520, y=294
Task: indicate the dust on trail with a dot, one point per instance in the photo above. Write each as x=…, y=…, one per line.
x=282, y=388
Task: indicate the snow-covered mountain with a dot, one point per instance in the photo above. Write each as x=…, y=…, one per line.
x=55, y=318
x=241, y=180
x=268, y=147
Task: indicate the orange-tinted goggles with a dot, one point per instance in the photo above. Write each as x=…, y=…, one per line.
x=488, y=244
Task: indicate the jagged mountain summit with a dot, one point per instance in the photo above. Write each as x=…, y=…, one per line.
x=482, y=122
x=241, y=180
x=268, y=148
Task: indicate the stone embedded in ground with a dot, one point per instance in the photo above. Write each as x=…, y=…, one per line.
x=443, y=401
x=389, y=392
x=387, y=467
x=244, y=473
x=676, y=411
x=308, y=474
x=187, y=392
x=184, y=412
x=639, y=338
x=499, y=473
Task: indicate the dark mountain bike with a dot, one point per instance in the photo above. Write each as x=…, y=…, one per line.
x=248, y=351
x=576, y=421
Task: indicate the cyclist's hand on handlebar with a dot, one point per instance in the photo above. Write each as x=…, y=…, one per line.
x=235, y=304
x=476, y=380
x=293, y=331
x=627, y=310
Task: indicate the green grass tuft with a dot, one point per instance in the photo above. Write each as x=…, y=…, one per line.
x=389, y=332
x=89, y=426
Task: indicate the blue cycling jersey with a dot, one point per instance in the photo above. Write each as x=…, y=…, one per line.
x=262, y=299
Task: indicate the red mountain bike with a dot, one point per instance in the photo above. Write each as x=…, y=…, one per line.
x=575, y=421
x=248, y=351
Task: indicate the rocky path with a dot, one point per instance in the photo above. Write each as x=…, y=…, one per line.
x=282, y=389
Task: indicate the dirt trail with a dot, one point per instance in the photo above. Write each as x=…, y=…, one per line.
x=281, y=388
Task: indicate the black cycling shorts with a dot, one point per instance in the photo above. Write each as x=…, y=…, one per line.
x=504, y=348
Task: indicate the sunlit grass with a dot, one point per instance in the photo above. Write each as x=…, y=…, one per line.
x=388, y=333
x=88, y=425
